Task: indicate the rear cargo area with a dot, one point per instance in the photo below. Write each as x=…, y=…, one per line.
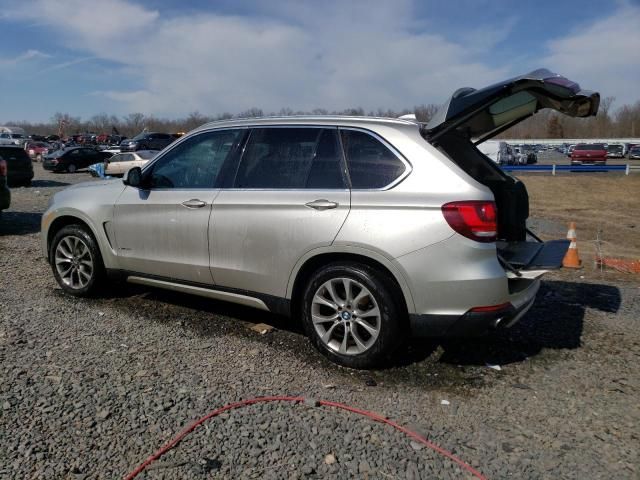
x=510, y=194
x=514, y=249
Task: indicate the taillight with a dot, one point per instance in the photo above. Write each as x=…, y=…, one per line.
x=3, y=168
x=475, y=219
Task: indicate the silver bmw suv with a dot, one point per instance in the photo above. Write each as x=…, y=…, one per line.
x=367, y=230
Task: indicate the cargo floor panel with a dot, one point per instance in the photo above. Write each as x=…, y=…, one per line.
x=534, y=255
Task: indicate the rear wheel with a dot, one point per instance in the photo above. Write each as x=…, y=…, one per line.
x=351, y=315
x=76, y=261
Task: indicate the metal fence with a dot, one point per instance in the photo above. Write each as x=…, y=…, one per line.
x=572, y=168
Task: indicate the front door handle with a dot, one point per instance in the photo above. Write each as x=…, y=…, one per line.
x=194, y=203
x=321, y=204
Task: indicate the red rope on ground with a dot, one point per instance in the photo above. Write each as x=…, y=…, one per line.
x=243, y=403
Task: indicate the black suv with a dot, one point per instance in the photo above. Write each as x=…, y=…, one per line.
x=73, y=158
x=146, y=141
x=19, y=164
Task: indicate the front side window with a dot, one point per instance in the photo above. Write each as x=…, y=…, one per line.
x=371, y=163
x=196, y=162
x=291, y=158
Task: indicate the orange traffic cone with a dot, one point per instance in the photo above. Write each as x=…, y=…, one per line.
x=571, y=258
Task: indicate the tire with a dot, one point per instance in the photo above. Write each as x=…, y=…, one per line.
x=76, y=261
x=71, y=168
x=358, y=341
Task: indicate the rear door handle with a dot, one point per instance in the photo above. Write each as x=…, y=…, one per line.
x=194, y=203
x=321, y=204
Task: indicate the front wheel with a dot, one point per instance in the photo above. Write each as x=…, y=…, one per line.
x=76, y=261
x=351, y=315
x=71, y=168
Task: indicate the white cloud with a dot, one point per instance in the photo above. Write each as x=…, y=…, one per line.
x=289, y=55
x=22, y=58
x=602, y=56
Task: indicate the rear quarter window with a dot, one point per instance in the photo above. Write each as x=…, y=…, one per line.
x=371, y=164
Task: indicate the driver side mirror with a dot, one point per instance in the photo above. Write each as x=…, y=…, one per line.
x=133, y=177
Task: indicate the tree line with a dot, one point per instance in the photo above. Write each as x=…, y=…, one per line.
x=624, y=121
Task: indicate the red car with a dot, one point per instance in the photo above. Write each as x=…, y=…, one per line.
x=589, y=154
x=37, y=150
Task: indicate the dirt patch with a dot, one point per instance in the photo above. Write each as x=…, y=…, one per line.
x=604, y=206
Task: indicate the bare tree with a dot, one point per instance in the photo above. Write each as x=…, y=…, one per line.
x=134, y=123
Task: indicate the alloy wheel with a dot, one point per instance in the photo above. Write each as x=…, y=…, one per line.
x=74, y=262
x=346, y=316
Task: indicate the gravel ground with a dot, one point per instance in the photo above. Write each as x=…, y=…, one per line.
x=89, y=388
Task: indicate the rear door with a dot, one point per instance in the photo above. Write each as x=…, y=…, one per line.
x=88, y=156
x=288, y=197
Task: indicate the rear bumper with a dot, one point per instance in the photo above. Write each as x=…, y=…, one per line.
x=589, y=161
x=475, y=323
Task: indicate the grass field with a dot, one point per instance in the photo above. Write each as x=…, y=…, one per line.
x=604, y=206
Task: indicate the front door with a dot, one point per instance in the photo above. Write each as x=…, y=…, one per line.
x=162, y=229
x=289, y=197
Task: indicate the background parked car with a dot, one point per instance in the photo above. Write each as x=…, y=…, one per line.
x=498, y=151
x=37, y=150
x=73, y=159
x=12, y=139
x=146, y=141
x=589, y=154
x=530, y=153
x=634, y=153
x=5, y=193
x=121, y=162
x=19, y=165
x=615, y=150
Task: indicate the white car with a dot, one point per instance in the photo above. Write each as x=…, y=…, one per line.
x=7, y=138
x=121, y=162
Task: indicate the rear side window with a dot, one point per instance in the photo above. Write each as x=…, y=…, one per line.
x=291, y=158
x=371, y=164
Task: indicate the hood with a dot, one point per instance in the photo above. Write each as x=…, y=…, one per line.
x=96, y=184
x=488, y=111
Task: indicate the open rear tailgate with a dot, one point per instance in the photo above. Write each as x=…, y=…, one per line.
x=533, y=255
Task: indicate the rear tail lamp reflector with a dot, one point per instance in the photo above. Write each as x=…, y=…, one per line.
x=474, y=219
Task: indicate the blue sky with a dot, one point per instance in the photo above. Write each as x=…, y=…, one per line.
x=169, y=58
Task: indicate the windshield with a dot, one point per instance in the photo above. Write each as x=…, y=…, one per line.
x=615, y=148
x=591, y=146
x=147, y=154
x=17, y=135
x=141, y=136
x=59, y=153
